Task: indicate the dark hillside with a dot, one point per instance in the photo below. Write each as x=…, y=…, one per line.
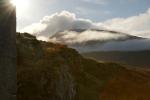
x=48, y=71
x=139, y=59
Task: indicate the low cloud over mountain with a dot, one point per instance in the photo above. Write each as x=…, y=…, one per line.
x=72, y=37
x=101, y=40
x=86, y=35
x=135, y=25
x=58, y=22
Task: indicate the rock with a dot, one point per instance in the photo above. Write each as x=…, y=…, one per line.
x=7, y=51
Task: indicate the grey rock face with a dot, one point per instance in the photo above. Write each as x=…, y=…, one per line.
x=7, y=51
x=65, y=84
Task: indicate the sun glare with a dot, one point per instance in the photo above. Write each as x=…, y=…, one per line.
x=21, y=5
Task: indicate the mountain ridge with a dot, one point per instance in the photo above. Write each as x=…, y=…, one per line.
x=100, y=40
x=53, y=71
x=127, y=36
x=100, y=30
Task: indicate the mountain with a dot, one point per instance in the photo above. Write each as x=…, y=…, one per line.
x=100, y=40
x=139, y=59
x=52, y=71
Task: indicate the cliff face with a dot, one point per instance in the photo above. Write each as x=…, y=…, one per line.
x=48, y=71
x=7, y=51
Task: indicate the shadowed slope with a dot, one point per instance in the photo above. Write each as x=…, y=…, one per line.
x=54, y=71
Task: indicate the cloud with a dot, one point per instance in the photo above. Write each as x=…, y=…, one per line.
x=72, y=37
x=135, y=25
x=58, y=22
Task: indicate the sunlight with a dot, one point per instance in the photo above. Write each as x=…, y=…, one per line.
x=21, y=5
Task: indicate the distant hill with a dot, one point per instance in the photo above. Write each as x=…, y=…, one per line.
x=100, y=40
x=137, y=59
x=60, y=35
x=50, y=71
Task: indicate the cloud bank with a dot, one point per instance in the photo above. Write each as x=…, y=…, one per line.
x=135, y=25
x=73, y=37
x=58, y=22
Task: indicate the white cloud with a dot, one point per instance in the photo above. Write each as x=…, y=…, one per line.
x=58, y=22
x=72, y=37
x=136, y=25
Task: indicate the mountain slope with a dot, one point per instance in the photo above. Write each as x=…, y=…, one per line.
x=100, y=40
x=64, y=36
x=48, y=71
x=139, y=59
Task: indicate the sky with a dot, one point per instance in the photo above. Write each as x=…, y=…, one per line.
x=43, y=17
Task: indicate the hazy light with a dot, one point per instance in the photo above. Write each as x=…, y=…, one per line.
x=21, y=5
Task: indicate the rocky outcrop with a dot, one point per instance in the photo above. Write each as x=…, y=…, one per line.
x=48, y=71
x=7, y=51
